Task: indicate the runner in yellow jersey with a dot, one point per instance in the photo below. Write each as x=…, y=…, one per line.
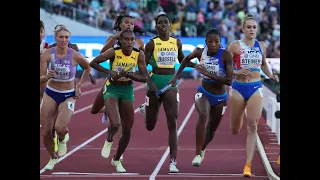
x=161, y=53
x=119, y=94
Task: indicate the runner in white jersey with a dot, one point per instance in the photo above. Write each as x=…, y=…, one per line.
x=246, y=90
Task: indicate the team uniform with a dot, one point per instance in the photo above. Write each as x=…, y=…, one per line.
x=248, y=58
x=118, y=63
x=66, y=72
x=164, y=55
x=123, y=91
x=214, y=65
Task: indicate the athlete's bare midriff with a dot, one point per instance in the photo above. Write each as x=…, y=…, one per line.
x=61, y=86
x=254, y=76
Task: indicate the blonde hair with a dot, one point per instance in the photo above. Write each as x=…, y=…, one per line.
x=248, y=17
x=60, y=27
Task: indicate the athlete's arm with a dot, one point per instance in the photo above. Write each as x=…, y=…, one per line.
x=83, y=62
x=148, y=53
x=196, y=53
x=181, y=54
x=95, y=63
x=109, y=42
x=140, y=44
x=233, y=48
x=264, y=65
x=227, y=59
x=140, y=76
x=44, y=59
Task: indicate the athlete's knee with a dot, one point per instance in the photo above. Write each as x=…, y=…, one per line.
x=93, y=111
x=203, y=116
x=47, y=133
x=150, y=126
x=61, y=130
x=252, y=126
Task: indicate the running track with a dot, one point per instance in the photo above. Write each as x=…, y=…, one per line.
x=147, y=154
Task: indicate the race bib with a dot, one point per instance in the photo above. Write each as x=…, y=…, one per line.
x=63, y=71
x=167, y=58
x=120, y=68
x=197, y=96
x=211, y=68
x=252, y=60
x=71, y=105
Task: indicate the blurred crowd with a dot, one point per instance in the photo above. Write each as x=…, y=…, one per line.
x=188, y=17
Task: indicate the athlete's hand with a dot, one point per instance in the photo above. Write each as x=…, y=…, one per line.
x=50, y=74
x=243, y=71
x=202, y=70
x=275, y=77
x=117, y=35
x=173, y=81
x=114, y=75
x=123, y=73
x=78, y=91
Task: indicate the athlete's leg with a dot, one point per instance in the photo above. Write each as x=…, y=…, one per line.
x=152, y=106
x=65, y=112
x=203, y=107
x=127, y=118
x=48, y=114
x=112, y=111
x=216, y=114
x=254, y=110
x=237, y=106
x=170, y=104
x=98, y=103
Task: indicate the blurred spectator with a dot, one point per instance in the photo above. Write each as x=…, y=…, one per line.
x=185, y=15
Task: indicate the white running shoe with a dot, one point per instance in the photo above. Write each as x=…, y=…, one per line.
x=197, y=161
x=51, y=164
x=62, y=146
x=105, y=152
x=173, y=167
x=118, y=165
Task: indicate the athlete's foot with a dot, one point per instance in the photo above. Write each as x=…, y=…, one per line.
x=247, y=171
x=118, y=165
x=51, y=163
x=197, y=161
x=62, y=145
x=104, y=118
x=55, y=141
x=173, y=167
x=105, y=152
